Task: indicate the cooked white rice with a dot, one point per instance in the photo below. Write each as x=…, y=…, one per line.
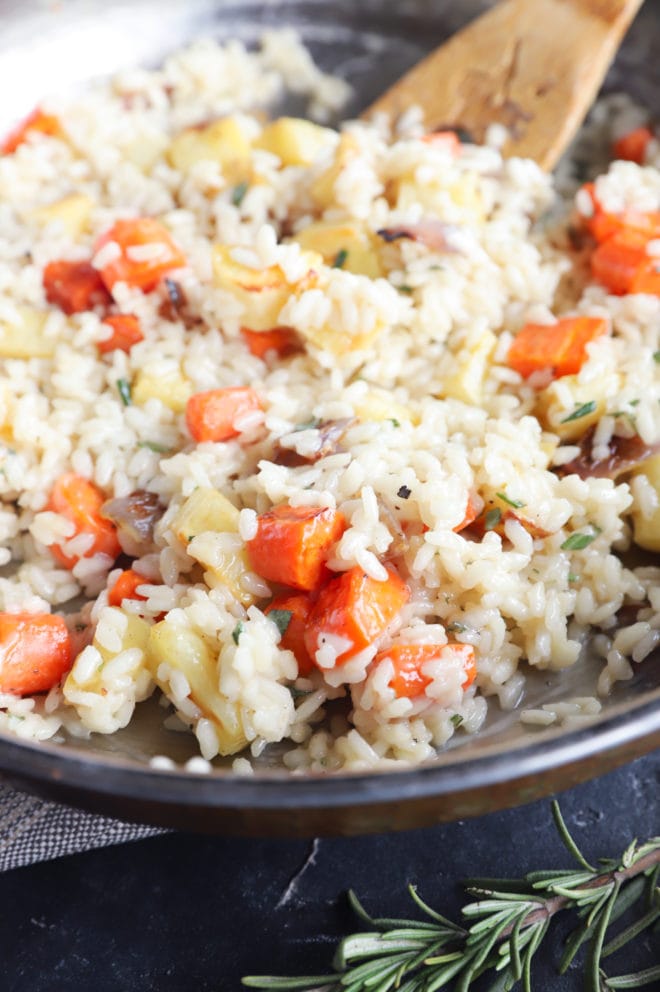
x=411, y=354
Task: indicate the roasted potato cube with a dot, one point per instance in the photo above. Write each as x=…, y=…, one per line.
x=295, y=141
x=205, y=509
x=378, y=405
x=566, y=395
x=646, y=529
x=223, y=141
x=71, y=212
x=172, y=390
x=467, y=381
x=24, y=337
x=186, y=651
x=344, y=244
x=323, y=187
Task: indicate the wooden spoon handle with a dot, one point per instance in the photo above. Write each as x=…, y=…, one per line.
x=534, y=66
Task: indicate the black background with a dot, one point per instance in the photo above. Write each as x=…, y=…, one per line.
x=186, y=913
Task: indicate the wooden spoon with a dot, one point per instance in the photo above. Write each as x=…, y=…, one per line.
x=534, y=66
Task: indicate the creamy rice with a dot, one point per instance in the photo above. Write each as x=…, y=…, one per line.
x=395, y=407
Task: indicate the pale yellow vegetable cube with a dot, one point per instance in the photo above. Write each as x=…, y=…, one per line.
x=205, y=509
x=145, y=151
x=344, y=244
x=323, y=187
x=566, y=395
x=72, y=213
x=295, y=141
x=378, y=405
x=223, y=141
x=467, y=381
x=135, y=635
x=24, y=337
x=263, y=292
x=185, y=651
x=646, y=529
x=172, y=390
x=226, y=561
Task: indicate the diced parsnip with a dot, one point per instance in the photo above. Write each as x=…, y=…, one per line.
x=72, y=213
x=323, y=187
x=144, y=152
x=223, y=141
x=345, y=244
x=173, y=390
x=207, y=526
x=135, y=635
x=406, y=193
x=185, y=651
x=295, y=141
x=263, y=292
x=646, y=530
x=25, y=338
x=378, y=405
x=566, y=395
x=467, y=381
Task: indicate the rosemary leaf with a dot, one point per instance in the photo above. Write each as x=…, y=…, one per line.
x=568, y=841
x=580, y=411
x=631, y=932
x=636, y=980
x=596, y=949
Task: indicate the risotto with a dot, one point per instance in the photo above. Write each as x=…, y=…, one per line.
x=326, y=437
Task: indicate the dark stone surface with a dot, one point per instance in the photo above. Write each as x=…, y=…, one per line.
x=179, y=912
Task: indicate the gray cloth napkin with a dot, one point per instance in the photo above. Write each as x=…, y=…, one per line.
x=34, y=830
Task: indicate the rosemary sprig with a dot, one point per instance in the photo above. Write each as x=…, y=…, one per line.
x=501, y=931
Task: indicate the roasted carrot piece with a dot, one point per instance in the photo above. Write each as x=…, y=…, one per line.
x=561, y=347
x=126, y=587
x=293, y=638
x=283, y=340
x=603, y=224
x=35, y=652
x=353, y=610
x=408, y=659
x=126, y=332
x=292, y=544
x=80, y=501
x=35, y=121
x=623, y=265
x=448, y=140
x=74, y=286
x=216, y=414
x=471, y=514
x=146, y=253
x=632, y=146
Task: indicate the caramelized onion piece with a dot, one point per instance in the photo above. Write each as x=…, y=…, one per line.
x=624, y=454
x=435, y=234
x=135, y=517
x=329, y=434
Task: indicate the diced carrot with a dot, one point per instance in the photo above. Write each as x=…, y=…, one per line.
x=561, y=347
x=80, y=501
x=471, y=514
x=293, y=638
x=355, y=610
x=632, y=146
x=283, y=340
x=146, y=253
x=36, y=121
x=216, y=414
x=447, y=140
x=74, y=286
x=35, y=652
x=623, y=265
x=126, y=332
x=292, y=544
x=408, y=660
x=126, y=587
x=603, y=223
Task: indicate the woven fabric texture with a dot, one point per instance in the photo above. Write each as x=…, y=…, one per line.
x=33, y=829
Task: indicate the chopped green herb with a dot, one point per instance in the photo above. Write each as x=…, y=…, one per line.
x=493, y=518
x=281, y=619
x=299, y=693
x=572, y=577
x=394, y=421
x=160, y=449
x=656, y=357
x=576, y=542
x=308, y=425
x=515, y=503
x=634, y=402
x=339, y=260
x=238, y=193
x=456, y=628
x=405, y=289
x=456, y=719
x=237, y=631
x=124, y=388
x=404, y=492
x=580, y=411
